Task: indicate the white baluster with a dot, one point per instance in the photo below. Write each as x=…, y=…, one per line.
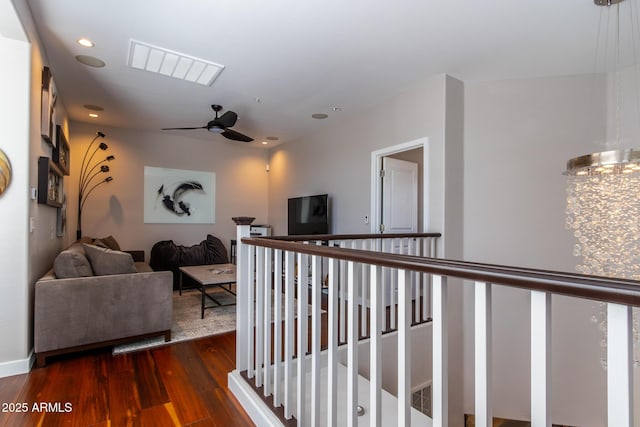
x=404, y=348
x=386, y=248
x=414, y=289
x=315, y=336
x=540, y=359
x=288, y=336
x=352, y=348
x=343, y=301
x=259, y=314
x=483, y=355
x=303, y=320
x=375, y=352
x=433, y=254
x=440, y=388
x=268, y=303
x=365, y=293
x=277, y=329
x=251, y=312
x=332, y=360
x=394, y=284
x=619, y=365
x=426, y=278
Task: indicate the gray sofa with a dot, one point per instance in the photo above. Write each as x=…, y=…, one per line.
x=89, y=300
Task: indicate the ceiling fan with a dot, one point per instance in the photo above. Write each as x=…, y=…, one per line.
x=221, y=125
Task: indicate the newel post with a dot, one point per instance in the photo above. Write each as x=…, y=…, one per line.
x=243, y=227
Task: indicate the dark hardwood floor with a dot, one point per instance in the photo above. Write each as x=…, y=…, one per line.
x=183, y=384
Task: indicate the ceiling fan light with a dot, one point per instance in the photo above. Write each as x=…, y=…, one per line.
x=215, y=129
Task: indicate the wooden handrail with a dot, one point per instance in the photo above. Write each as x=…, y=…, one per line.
x=327, y=237
x=605, y=289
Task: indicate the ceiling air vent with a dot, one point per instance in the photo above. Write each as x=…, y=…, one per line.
x=143, y=56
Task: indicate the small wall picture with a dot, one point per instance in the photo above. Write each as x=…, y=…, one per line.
x=48, y=106
x=50, y=183
x=61, y=151
x=179, y=196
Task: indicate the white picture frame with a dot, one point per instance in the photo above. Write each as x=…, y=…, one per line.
x=178, y=196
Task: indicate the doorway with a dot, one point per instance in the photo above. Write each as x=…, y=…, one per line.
x=398, y=187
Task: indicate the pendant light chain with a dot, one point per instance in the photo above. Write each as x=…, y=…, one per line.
x=618, y=75
x=634, y=35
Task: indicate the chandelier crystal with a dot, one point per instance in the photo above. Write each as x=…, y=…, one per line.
x=603, y=214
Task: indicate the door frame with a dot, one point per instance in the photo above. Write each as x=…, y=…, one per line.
x=376, y=180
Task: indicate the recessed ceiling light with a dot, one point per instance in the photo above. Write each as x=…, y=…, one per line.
x=272, y=138
x=94, y=115
x=91, y=61
x=264, y=142
x=85, y=42
x=93, y=107
x=319, y=116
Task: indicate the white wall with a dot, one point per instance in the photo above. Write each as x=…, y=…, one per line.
x=14, y=291
x=337, y=160
x=25, y=256
x=117, y=209
x=518, y=136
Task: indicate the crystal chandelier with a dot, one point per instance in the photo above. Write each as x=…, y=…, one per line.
x=603, y=213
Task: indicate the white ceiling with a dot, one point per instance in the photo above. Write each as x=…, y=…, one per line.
x=301, y=57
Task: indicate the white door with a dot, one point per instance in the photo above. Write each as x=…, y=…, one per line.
x=399, y=196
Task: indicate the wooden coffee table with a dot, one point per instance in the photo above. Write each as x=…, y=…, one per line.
x=210, y=275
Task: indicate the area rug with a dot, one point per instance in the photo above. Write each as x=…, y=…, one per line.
x=187, y=324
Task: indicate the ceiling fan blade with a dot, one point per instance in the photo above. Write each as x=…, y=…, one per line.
x=199, y=127
x=236, y=136
x=228, y=119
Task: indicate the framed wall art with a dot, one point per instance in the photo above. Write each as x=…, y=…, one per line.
x=61, y=152
x=48, y=106
x=179, y=196
x=50, y=183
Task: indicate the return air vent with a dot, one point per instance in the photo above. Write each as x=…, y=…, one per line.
x=143, y=56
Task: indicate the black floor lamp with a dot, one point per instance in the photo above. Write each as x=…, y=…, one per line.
x=88, y=172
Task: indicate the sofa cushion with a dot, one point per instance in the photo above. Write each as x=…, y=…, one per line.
x=72, y=262
x=106, y=261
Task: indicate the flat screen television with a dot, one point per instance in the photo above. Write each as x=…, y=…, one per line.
x=308, y=215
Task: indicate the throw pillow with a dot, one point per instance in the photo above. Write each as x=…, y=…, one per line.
x=72, y=262
x=109, y=242
x=99, y=243
x=107, y=261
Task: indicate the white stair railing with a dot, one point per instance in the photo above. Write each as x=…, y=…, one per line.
x=304, y=308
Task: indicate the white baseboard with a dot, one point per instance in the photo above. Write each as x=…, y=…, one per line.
x=17, y=367
x=253, y=405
